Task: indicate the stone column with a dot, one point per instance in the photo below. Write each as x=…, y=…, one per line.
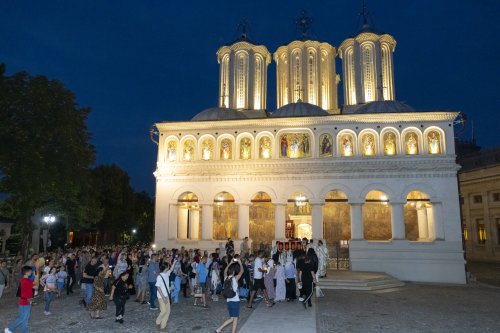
x=194, y=224
x=279, y=221
x=423, y=227
x=243, y=220
x=438, y=221
x=397, y=220
x=430, y=221
x=356, y=221
x=317, y=220
x=207, y=221
x=172, y=221
x=183, y=223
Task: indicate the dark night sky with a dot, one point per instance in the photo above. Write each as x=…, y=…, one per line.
x=139, y=62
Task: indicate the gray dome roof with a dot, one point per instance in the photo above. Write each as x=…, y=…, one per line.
x=380, y=107
x=218, y=114
x=299, y=109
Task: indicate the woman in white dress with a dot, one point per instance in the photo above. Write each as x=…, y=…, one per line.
x=322, y=253
x=280, y=283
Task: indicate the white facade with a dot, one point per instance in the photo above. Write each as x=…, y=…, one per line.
x=382, y=178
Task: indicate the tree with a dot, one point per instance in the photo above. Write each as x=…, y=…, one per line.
x=45, y=154
x=123, y=208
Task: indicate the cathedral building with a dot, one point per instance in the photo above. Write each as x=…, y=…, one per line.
x=373, y=176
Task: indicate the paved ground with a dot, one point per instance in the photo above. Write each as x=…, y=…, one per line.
x=411, y=309
x=69, y=317
x=429, y=308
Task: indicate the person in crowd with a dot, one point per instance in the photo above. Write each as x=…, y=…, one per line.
x=258, y=281
x=121, y=266
x=26, y=294
x=88, y=278
x=201, y=280
x=290, y=276
x=177, y=272
x=244, y=248
x=234, y=271
x=269, y=278
x=308, y=278
x=322, y=252
x=185, y=275
x=71, y=270
x=280, y=283
x=49, y=280
x=61, y=276
x=17, y=273
x=98, y=301
x=153, y=271
x=142, y=281
x=119, y=295
x=163, y=294
x=4, y=277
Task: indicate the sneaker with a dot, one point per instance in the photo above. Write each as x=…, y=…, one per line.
x=301, y=299
x=47, y=313
x=7, y=330
x=144, y=302
x=153, y=308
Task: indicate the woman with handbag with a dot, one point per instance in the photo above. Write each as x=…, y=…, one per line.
x=234, y=271
x=163, y=294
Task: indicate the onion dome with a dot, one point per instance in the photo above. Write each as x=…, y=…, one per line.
x=213, y=114
x=299, y=109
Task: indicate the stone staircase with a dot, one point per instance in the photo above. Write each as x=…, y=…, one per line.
x=367, y=281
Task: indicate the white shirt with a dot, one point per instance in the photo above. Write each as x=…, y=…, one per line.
x=163, y=286
x=257, y=264
x=236, y=298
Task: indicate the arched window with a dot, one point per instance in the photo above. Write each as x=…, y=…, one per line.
x=346, y=145
x=245, y=148
x=433, y=142
x=418, y=217
x=368, y=144
x=226, y=149
x=224, y=89
x=325, y=145
x=390, y=144
x=207, y=149
x=257, y=103
x=188, y=223
x=351, y=74
x=386, y=73
x=261, y=221
x=188, y=150
x=411, y=143
x=295, y=145
x=311, y=77
x=241, y=80
x=225, y=220
x=336, y=219
x=296, y=76
x=325, y=81
x=368, y=72
x=377, y=216
x=265, y=147
x=171, y=150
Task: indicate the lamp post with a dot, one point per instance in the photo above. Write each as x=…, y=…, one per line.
x=134, y=231
x=48, y=219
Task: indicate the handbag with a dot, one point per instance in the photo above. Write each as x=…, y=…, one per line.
x=319, y=292
x=198, y=291
x=243, y=292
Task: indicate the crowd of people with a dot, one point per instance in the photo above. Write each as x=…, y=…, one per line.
x=158, y=278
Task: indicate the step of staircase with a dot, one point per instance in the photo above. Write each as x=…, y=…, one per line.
x=367, y=281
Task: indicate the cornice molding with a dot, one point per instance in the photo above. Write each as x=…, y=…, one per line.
x=331, y=120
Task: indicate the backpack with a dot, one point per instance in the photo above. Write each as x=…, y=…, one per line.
x=227, y=290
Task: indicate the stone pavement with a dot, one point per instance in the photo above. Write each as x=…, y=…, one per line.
x=429, y=308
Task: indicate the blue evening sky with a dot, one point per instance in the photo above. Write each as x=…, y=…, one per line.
x=140, y=62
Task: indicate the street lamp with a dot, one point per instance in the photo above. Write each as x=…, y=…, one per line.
x=49, y=219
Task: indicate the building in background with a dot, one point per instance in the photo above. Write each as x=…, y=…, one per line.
x=479, y=180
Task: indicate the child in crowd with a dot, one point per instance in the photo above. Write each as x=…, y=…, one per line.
x=61, y=277
x=49, y=289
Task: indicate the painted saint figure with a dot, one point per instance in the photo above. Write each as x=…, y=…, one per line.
x=245, y=152
x=390, y=144
x=411, y=144
x=284, y=146
x=433, y=143
x=226, y=149
x=368, y=145
x=265, y=147
x=188, y=150
x=171, y=151
x=295, y=146
x=305, y=144
x=326, y=146
x=347, y=145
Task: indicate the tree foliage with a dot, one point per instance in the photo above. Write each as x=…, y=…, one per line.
x=45, y=153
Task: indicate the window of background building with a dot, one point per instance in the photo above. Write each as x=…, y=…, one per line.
x=466, y=233
x=481, y=231
x=496, y=197
x=477, y=199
